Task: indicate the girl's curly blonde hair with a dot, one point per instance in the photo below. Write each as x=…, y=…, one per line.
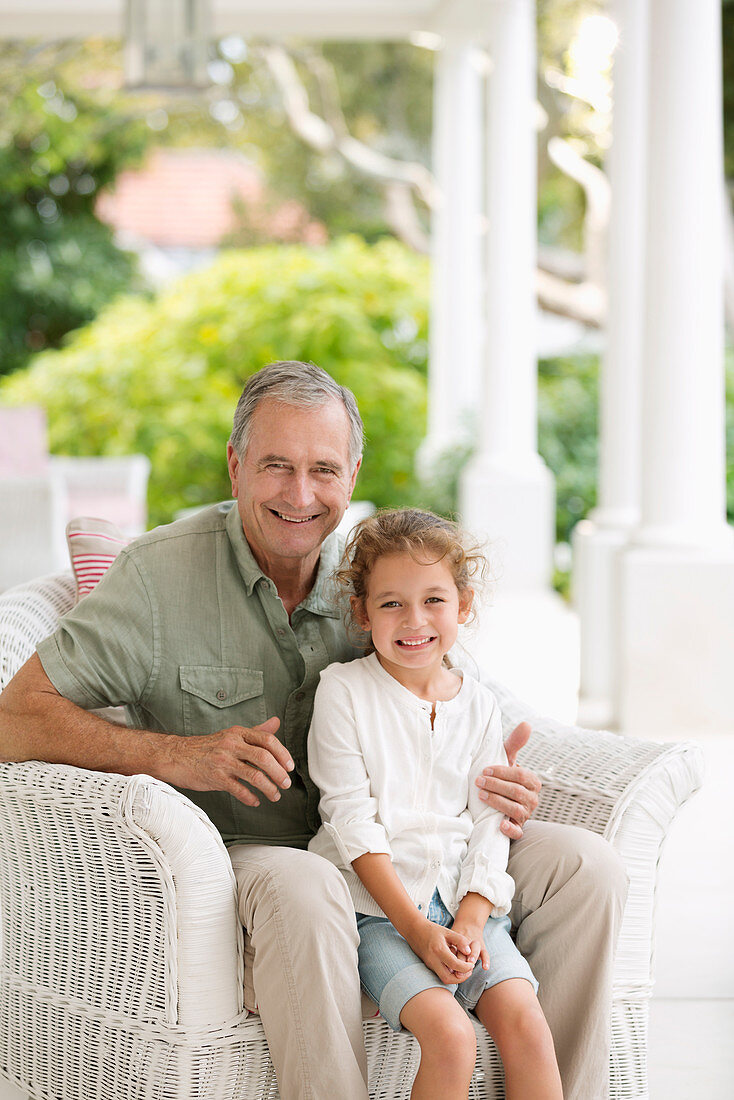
x=421, y=534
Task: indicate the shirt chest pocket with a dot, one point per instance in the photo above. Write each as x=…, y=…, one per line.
x=216, y=697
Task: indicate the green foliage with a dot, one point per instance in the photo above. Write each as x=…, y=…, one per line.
x=567, y=434
x=162, y=377
x=567, y=427
x=58, y=146
x=53, y=278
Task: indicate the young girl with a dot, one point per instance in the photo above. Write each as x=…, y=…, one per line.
x=396, y=742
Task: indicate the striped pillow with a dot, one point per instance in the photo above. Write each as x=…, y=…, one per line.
x=93, y=546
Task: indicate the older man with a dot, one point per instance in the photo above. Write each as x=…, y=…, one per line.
x=213, y=632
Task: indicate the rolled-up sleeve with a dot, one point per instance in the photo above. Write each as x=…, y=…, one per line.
x=483, y=870
x=336, y=765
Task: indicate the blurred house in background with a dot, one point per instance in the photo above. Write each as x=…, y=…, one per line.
x=183, y=205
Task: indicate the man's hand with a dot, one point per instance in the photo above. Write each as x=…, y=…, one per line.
x=231, y=758
x=443, y=950
x=511, y=790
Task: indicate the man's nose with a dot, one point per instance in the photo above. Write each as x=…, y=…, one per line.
x=300, y=492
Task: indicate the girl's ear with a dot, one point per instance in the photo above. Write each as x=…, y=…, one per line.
x=359, y=612
x=466, y=599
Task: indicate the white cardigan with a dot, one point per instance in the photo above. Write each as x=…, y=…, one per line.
x=390, y=783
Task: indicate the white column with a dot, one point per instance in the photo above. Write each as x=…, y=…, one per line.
x=677, y=578
x=456, y=245
x=506, y=491
x=598, y=540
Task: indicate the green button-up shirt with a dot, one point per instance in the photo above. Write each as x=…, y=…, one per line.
x=191, y=637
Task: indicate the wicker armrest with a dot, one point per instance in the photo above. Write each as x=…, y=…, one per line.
x=592, y=778
x=116, y=893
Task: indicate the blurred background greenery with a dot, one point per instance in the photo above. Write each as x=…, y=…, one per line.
x=122, y=366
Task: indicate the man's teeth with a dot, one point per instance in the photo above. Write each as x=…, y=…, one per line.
x=294, y=519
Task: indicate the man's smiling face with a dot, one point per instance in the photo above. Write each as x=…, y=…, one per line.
x=294, y=482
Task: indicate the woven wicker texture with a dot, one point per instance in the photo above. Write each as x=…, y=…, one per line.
x=121, y=954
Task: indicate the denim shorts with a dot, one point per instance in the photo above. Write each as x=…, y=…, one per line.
x=391, y=973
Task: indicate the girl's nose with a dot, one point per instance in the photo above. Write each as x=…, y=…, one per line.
x=413, y=616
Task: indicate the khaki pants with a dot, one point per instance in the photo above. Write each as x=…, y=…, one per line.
x=302, y=944
x=570, y=890
x=302, y=956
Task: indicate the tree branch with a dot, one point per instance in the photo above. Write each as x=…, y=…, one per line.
x=324, y=138
x=582, y=301
x=598, y=194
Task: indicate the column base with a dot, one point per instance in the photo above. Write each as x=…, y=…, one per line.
x=514, y=509
x=595, y=586
x=676, y=648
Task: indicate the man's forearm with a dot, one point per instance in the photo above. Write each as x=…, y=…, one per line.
x=36, y=723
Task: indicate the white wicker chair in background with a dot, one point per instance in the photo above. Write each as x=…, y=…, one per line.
x=122, y=957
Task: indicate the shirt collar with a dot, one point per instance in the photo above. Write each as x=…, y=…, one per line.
x=324, y=598
x=405, y=696
x=321, y=600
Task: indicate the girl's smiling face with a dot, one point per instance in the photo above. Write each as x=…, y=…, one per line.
x=413, y=609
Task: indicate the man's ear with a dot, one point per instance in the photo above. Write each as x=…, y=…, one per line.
x=466, y=599
x=359, y=612
x=353, y=480
x=233, y=465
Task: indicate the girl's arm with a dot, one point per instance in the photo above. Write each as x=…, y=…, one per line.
x=443, y=950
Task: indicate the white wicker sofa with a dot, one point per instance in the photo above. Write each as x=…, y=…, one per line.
x=121, y=961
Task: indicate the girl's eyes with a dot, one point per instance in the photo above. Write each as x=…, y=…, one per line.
x=396, y=603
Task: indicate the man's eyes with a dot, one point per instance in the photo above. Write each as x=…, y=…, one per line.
x=283, y=467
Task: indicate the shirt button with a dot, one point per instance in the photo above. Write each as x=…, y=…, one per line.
x=300, y=696
x=221, y=694
x=281, y=632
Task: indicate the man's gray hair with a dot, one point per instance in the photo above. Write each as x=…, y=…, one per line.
x=303, y=385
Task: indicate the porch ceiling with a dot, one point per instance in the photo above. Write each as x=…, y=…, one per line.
x=306, y=18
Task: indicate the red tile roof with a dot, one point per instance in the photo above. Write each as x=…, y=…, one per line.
x=184, y=198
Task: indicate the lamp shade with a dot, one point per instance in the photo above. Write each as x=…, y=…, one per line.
x=167, y=43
